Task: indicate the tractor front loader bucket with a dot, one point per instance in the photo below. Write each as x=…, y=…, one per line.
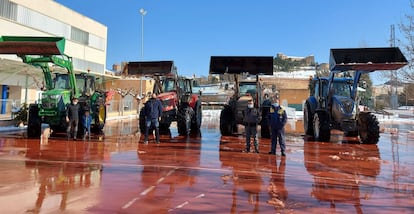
x=366, y=59
x=254, y=65
x=152, y=68
x=23, y=45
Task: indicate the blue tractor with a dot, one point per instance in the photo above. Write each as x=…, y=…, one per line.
x=334, y=102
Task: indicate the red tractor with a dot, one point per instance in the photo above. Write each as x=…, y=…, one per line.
x=179, y=102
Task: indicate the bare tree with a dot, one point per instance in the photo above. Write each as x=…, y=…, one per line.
x=407, y=43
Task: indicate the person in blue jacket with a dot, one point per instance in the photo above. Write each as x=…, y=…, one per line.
x=86, y=121
x=278, y=119
x=153, y=111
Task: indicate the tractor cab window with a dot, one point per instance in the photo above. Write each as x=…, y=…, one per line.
x=185, y=86
x=248, y=89
x=85, y=84
x=61, y=81
x=342, y=89
x=168, y=85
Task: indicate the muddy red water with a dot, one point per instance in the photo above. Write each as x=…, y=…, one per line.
x=204, y=173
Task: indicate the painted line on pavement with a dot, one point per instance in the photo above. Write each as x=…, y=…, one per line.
x=149, y=189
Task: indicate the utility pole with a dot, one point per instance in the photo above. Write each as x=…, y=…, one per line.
x=393, y=82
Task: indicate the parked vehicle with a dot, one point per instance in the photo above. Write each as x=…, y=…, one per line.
x=334, y=100
x=180, y=104
x=61, y=83
x=244, y=90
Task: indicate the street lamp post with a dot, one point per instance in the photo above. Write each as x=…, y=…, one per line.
x=143, y=13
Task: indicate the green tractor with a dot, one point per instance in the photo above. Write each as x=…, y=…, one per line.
x=60, y=84
x=334, y=101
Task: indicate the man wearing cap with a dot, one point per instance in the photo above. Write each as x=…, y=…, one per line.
x=72, y=118
x=278, y=119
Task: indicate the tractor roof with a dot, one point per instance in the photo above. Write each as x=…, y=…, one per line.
x=253, y=65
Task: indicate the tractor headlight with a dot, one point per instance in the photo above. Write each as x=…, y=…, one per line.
x=54, y=96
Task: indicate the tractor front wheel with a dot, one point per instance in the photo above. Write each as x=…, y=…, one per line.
x=227, y=121
x=321, y=127
x=368, y=128
x=196, y=120
x=34, y=123
x=308, y=120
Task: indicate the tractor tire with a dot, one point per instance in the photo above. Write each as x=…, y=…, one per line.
x=142, y=121
x=351, y=134
x=264, y=128
x=34, y=123
x=101, y=118
x=368, y=126
x=227, y=121
x=321, y=126
x=308, y=120
x=197, y=118
x=184, y=120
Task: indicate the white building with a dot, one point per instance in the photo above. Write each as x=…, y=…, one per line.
x=86, y=43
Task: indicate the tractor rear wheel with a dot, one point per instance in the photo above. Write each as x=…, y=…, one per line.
x=197, y=118
x=308, y=120
x=101, y=120
x=34, y=124
x=142, y=121
x=368, y=128
x=184, y=120
x=264, y=128
x=227, y=121
x=321, y=127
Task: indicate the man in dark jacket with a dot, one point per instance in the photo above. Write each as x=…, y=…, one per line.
x=264, y=123
x=72, y=118
x=153, y=111
x=250, y=120
x=278, y=119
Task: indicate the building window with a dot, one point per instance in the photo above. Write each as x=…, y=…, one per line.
x=79, y=35
x=8, y=9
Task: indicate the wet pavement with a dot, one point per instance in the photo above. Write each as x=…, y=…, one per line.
x=204, y=173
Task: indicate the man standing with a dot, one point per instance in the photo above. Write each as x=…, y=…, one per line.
x=250, y=120
x=278, y=119
x=153, y=111
x=72, y=118
x=264, y=123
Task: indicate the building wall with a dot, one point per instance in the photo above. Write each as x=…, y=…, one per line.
x=86, y=40
x=294, y=91
x=48, y=18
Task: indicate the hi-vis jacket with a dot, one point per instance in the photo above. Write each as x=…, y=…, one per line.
x=277, y=117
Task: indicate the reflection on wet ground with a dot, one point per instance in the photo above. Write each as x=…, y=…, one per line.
x=204, y=173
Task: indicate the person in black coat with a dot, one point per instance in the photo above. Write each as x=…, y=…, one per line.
x=72, y=118
x=153, y=111
x=250, y=120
